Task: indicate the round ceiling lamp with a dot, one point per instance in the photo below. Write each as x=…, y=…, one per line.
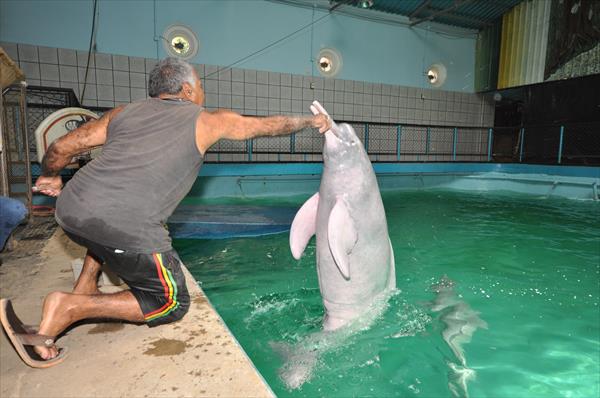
x=436, y=75
x=180, y=41
x=329, y=62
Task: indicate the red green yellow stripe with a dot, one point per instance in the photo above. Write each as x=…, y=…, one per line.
x=170, y=288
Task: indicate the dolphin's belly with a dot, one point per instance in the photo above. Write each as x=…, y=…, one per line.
x=369, y=274
x=369, y=261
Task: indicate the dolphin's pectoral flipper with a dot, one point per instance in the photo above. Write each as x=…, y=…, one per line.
x=342, y=236
x=304, y=226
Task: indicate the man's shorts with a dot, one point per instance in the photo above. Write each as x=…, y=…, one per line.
x=156, y=280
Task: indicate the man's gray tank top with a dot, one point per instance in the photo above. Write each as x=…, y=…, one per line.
x=150, y=160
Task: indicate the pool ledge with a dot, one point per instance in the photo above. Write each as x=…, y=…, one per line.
x=195, y=357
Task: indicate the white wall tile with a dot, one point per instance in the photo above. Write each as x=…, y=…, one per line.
x=67, y=57
x=49, y=72
x=28, y=53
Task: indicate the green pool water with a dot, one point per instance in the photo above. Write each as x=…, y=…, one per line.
x=530, y=267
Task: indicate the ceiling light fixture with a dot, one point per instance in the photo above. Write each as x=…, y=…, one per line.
x=329, y=62
x=180, y=41
x=436, y=75
x=365, y=3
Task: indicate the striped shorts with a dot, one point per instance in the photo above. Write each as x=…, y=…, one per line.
x=156, y=280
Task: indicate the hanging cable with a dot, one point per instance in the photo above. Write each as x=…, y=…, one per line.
x=92, y=46
x=156, y=37
x=268, y=46
x=312, y=43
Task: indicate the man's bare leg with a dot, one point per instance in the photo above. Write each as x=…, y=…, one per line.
x=87, y=283
x=62, y=309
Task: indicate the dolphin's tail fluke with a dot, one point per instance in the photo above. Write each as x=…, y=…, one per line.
x=458, y=378
x=298, y=364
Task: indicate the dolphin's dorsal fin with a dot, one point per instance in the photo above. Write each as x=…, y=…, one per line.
x=304, y=226
x=342, y=236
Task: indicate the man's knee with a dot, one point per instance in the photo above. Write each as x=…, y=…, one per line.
x=181, y=307
x=184, y=306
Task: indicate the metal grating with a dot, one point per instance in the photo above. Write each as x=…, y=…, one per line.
x=471, y=144
x=470, y=14
x=581, y=144
x=413, y=140
x=383, y=139
x=41, y=102
x=16, y=166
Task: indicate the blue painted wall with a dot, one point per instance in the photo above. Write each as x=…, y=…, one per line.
x=231, y=29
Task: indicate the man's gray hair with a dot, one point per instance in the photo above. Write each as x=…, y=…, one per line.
x=168, y=77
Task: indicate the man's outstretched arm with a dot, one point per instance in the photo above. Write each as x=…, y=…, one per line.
x=225, y=124
x=60, y=152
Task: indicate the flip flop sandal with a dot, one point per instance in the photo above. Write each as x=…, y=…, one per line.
x=24, y=337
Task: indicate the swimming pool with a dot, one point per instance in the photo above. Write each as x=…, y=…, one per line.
x=527, y=266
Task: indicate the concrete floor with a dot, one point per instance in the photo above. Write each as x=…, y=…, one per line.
x=195, y=357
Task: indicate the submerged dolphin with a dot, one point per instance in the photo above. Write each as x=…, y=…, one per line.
x=460, y=321
x=355, y=259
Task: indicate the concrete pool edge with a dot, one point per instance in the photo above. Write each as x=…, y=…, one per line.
x=289, y=179
x=190, y=280
x=195, y=357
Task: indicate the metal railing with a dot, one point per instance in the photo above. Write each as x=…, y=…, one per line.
x=383, y=142
x=568, y=143
x=559, y=144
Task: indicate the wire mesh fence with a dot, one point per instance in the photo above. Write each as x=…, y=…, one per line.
x=569, y=143
x=14, y=156
x=580, y=144
x=40, y=104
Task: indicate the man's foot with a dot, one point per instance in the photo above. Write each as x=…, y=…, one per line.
x=24, y=338
x=54, y=320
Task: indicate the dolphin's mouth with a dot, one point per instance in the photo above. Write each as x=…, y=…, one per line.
x=332, y=136
x=333, y=143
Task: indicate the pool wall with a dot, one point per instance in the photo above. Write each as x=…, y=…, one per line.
x=288, y=179
x=248, y=180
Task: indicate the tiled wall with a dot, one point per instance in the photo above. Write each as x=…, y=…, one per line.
x=118, y=79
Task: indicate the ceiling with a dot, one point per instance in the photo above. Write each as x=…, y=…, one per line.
x=467, y=14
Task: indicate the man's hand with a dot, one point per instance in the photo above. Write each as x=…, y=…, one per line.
x=322, y=122
x=50, y=186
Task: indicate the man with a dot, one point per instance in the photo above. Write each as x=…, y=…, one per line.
x=117, y=205
x=12, y=213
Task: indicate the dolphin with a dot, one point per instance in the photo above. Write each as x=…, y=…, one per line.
x=355, y=259
x=460, y=321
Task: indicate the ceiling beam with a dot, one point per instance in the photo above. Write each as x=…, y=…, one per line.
x=421, y=7
x=457, y=4
x=339, y=3
x=464, y=18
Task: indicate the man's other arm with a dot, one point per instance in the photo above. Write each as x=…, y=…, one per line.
x=90, y=135
x=61, y=151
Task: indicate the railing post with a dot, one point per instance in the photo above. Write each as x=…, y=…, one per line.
x=454, y=140
x=560, y=144
x=427, y=142
x=398, y=140
x=293, y=143
x=249, y=150
x=366, y=137
x=490, y=138
x=522, y=135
